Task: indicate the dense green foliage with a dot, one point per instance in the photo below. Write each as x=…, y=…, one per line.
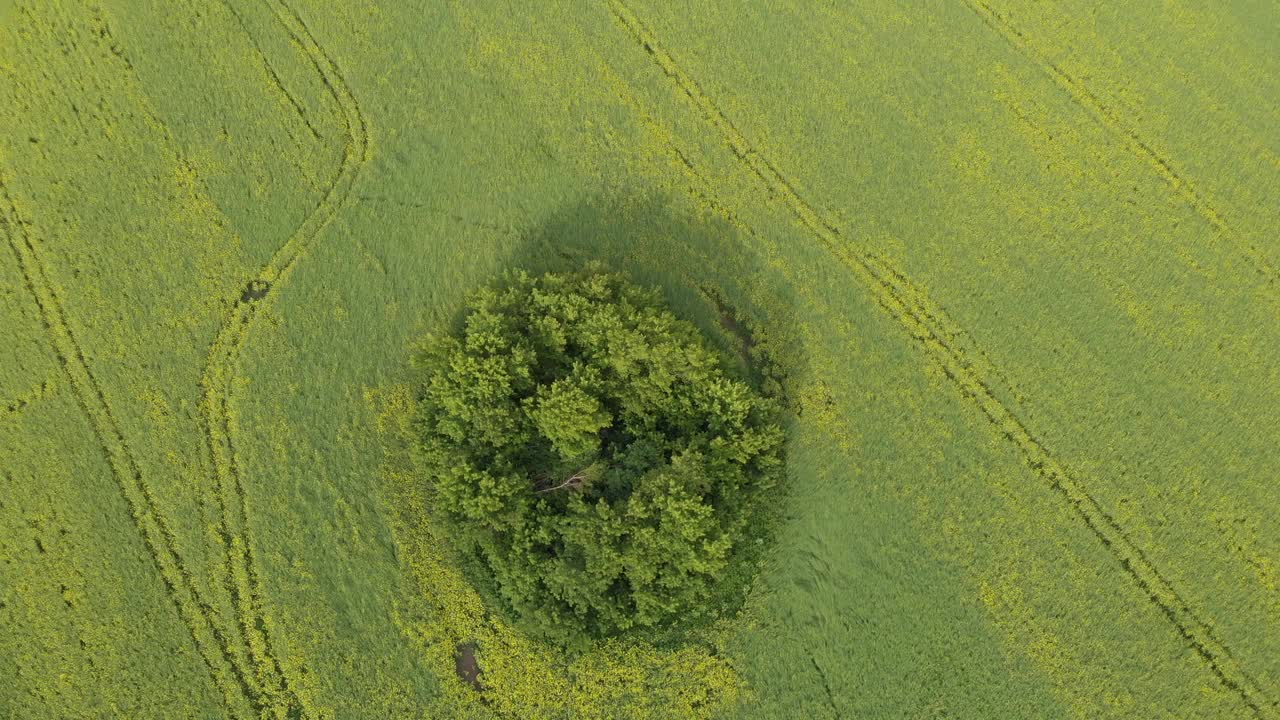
x=1017, y=258
x=591, y=448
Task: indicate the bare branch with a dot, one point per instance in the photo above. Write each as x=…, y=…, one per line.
x=574, y=480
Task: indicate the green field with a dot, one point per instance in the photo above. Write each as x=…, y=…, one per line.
x=1019, y=259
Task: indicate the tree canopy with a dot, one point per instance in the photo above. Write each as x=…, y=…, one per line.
x=592, y=451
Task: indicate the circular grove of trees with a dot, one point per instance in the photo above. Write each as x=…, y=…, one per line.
x=592, y=452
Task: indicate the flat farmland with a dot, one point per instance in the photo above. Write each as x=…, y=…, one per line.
x=1017, y=260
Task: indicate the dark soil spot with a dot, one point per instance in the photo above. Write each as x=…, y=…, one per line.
x=255, y=290
x=464, y=663
x=729, y=321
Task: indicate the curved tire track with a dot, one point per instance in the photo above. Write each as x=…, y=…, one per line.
x=224, y=654
x=945, y=343
x=218, y=380
x=269, y=690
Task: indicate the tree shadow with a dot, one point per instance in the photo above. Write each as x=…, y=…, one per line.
x=707, y=270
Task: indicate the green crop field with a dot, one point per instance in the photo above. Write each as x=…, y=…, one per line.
x=1019, y=261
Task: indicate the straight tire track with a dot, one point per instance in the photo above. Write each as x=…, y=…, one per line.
x=1112, y=121
x=929, y=326
x=276, y=82
x=211, y=643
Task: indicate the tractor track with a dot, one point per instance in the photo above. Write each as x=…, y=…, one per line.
x=218, y=379
x=937, y=334
x=263, y=683
x=1114, y=123
x=267, y=689
x=270, y=71
x=220, y=650
x=198, y=615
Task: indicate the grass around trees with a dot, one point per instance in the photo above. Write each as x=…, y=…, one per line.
x=1010, y=267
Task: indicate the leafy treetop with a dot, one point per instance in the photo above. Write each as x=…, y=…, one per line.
x=590, y=450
